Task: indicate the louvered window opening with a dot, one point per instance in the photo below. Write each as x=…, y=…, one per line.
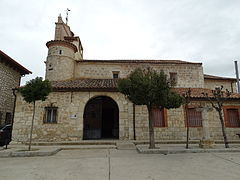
x=158, y=117
x=194, y=118
x=233, y=118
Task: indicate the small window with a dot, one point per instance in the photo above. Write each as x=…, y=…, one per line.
x=115, y=74
x=50, y=115
x=8, y=118
x=1, y=117
x=231, y=116
x=194, y=118
x=173, y=78
x=159, y=116
x=50, y=67
x=60, y=51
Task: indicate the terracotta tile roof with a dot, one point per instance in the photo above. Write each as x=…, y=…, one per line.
x=62, y=43
x=8, y=60
x=86, y=84
x=197, y=92
x=206, y=76
x=139, y=61
x=111, y=85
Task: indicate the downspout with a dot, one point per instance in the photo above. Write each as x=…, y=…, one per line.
x=14, y=104
x=134, y=123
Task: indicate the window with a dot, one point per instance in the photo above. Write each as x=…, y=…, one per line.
x=8, y=118
x=60, y=51
x=50, y=67
x=50, y=115
x=1, y=117
x=173, y=78
x=159, y=116
x=115, y=74
x=194, y=118
x=231, y=116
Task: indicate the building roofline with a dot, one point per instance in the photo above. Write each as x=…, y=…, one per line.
x=151, y=61
x=207, y=76
x=8, y=60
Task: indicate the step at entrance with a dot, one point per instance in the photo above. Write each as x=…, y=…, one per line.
x=125, y=145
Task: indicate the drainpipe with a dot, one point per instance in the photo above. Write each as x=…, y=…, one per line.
x=134, y=128
x=237, y=75
x=14, y=104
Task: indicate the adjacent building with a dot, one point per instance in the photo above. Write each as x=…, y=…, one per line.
x=10, y=77
x=85, y=103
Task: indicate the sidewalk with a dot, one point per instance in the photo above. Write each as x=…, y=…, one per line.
x=19, y=150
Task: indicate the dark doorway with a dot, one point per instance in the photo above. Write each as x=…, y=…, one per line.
x=101, y=119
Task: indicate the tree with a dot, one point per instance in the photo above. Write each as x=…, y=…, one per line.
x=217, y=99
x=150, y=88
x=187, y=97
x=34, y=90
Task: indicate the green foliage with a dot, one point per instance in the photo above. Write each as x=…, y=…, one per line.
x=148, y=87
x=35, y=89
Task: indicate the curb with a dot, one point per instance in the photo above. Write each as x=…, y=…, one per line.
x=50, y=151
x=142, y=150
x=30, y=153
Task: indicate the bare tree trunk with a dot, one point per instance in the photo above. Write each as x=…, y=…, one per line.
x=223, y=129
x=30, y=140
x=187, y=124
x=151, y=129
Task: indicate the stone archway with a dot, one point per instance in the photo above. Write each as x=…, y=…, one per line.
x=101, y=119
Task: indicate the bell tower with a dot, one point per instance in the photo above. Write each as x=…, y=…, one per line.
x=63, y=52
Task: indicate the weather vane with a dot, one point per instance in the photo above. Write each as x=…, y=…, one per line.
x=67, y=15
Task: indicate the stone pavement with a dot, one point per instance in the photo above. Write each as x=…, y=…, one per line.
x=114, y=164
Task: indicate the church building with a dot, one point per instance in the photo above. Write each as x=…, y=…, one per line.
x=85, y=103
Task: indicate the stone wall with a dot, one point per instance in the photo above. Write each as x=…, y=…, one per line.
x=176, y=129
x=212, y=84
x=188, y=75
x=9, y=79
x=69, y=126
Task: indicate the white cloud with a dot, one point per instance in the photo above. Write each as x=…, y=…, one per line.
x=192, y=30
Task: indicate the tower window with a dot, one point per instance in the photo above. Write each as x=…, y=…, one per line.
x=50, y=67
x=173, y=78
x=60, y=51
x=115, y=74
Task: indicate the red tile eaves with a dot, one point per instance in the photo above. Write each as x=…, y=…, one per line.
x=111, y=85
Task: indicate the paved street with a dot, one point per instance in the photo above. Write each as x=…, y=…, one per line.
x=104, y=164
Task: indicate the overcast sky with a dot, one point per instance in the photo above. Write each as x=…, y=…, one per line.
x=206, y=31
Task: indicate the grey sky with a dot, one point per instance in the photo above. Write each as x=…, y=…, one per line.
x=206, y=31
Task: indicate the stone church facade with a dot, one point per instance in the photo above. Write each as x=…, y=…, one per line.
x=85, y=103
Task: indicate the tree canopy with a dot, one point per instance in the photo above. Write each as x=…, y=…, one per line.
x=35, y=89
x=151, y=88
